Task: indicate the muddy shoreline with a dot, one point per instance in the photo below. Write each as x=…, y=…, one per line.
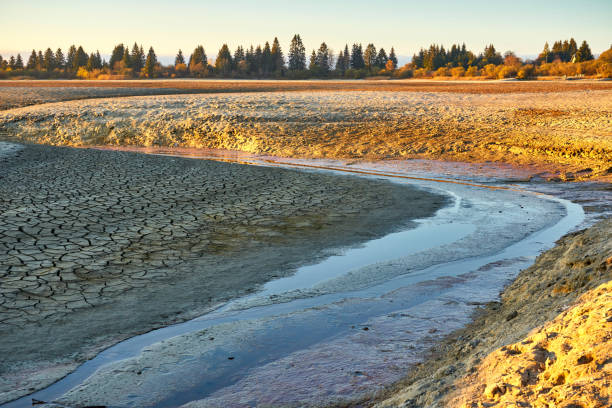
x=100, y=246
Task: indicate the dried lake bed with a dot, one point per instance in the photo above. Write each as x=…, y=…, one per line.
x=304, y=288
x=341, y=328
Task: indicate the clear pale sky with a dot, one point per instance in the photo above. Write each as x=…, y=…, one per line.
x=518, y=25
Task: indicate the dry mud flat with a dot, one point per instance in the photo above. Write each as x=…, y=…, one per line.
x=97, y=246
x=566, y=135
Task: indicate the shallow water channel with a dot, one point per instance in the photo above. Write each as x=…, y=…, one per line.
x=339, y=329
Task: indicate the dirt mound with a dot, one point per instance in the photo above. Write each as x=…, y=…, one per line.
x=461, y=371
x=566, y=363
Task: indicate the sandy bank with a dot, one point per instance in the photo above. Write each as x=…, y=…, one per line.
x=98, y=246
x=482, y=363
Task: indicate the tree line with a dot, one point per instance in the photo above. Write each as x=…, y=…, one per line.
x=269, y=61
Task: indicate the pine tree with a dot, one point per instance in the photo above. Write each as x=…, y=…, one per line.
x=340, y=65
x=40, y=60
x=393, y=57
x=573, y=47
x=137, y=58
x=584, y=52
x=223, y=63
x=19, y=62
x=32, y=61
x=312, y=65
x=267, y=65
x=357, y=61
x=149, y=65
x=116, y=55
x=381, y=58
x=323, y=59
x=347, y=57
x=126, y=61
x=49, y=60
x=179, y=59
x=60, y=62
x=71, y=57
x=198, y=61
x=297, y=54
x=369, y=57
x=278, y=60
x=12, y=63
x=80, y=59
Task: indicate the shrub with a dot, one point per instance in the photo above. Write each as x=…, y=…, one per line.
x=403, y=72
x=442, y=72
x=489, y=71
x=505, y=71
x=421, y=73
x=604, y=70
x=457, y=72
x=526, y=72
x=472, y=71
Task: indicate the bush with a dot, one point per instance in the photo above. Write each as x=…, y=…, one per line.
x=505, y=71
x=604, y=70
x=403, y=72
x=472, y=71
x=421, y=73
x=442, y=72
x=526, y=72
x=489, y=71
x=457, y=72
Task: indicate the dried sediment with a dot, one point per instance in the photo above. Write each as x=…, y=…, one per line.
x=98, y=246
x=480, y=363
x=567, y=134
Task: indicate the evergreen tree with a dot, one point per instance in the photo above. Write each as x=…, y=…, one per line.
x=71, y=57
x=40, y=60
x=80, y=59
x=357, y=61
x=126, y=61
x=149, y=65
x=393, y=57
x=347, y=57
x=340, y=63
x=267, y=65
x=584, y=53
x=12, y=63
x=223, y=63
x=491, y=56
x=116, y=55
x=369, y=57
x=323, y=59
x=91, y=62
x=49, y=60
x=251, y=60
x=278, y=60
x=137, y=58
x=312, y=64
x=297, y=54
x=18, y=62
x=573, y=48
x=381, y=58
x=179, y=59
x=60, y=62
x=198, y=61
x=32, y=61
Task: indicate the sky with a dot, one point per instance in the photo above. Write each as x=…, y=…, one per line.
x=518, y=25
